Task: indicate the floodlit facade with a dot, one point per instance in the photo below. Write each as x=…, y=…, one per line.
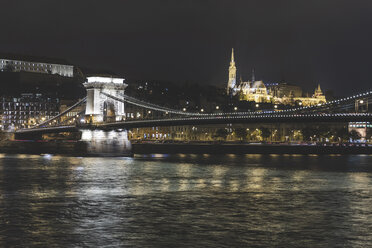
x=18, y=63
x=364, y=129
x=259, y=92
x=101, y=107
x=26, y=110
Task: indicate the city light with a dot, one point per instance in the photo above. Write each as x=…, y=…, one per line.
x=202, y=110
x=217, y=107
x=235, y=108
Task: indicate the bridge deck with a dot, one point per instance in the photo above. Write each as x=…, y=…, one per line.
x=268, y=118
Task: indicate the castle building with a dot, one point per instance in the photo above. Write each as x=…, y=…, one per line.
x=259, y=92
x=17, y=63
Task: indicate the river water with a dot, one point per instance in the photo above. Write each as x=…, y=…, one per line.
x=186, y=201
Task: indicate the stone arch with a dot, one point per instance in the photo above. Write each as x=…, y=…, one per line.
x=109, y=113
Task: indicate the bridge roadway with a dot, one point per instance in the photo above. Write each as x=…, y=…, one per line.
x=207, y=120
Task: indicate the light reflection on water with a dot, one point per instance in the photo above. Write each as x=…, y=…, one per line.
x=186, y=201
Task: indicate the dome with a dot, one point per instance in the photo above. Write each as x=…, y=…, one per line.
x=259, y=85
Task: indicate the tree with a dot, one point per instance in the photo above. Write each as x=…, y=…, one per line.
x=265, y=133
x=324, y=132
x=221, y=134
x=342, y=134
x=354, y=135
x=307, y=133
x=241, y=133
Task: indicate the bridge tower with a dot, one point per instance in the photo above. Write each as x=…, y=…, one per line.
x=100, y=107
x=361, y=105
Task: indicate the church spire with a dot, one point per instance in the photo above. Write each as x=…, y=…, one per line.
x=253, y=78
x=232, y=56
x=318, y=91
x=232, y=75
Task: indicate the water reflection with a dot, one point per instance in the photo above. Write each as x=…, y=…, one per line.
x=186, y=200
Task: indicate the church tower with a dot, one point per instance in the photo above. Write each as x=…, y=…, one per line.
x=232, y=74
x=318, y=92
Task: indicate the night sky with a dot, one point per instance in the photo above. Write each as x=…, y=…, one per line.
x=301, y=42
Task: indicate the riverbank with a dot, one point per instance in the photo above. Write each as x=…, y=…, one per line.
x=151, y=148
x=74, y=148
x=79, y=148
x=65, y=147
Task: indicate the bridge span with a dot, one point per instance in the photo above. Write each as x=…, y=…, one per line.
x=208, y=120
x=103, y=109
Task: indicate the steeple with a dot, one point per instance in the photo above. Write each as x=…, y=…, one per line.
x=318, y=91
x=232, y=75
x=253, y=78
x=232, y=57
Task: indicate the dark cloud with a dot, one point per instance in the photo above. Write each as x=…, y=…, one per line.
x=302, y=42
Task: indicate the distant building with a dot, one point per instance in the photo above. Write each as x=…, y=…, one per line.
x=26, y=110
x=364, y=129
x=257, y=91
x=18, y=63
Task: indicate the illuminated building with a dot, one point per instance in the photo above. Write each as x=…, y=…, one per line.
x=18, y=63
x=231, y=85
x=26, y=110
x=364, y=129
x=257, y=91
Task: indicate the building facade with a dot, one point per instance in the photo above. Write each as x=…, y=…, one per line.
x=26, y=110
x=18, y=63
x=259, y=92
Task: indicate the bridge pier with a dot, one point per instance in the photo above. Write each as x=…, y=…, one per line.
x=107, y=143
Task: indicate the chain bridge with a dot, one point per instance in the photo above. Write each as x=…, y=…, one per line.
x=102, y=111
